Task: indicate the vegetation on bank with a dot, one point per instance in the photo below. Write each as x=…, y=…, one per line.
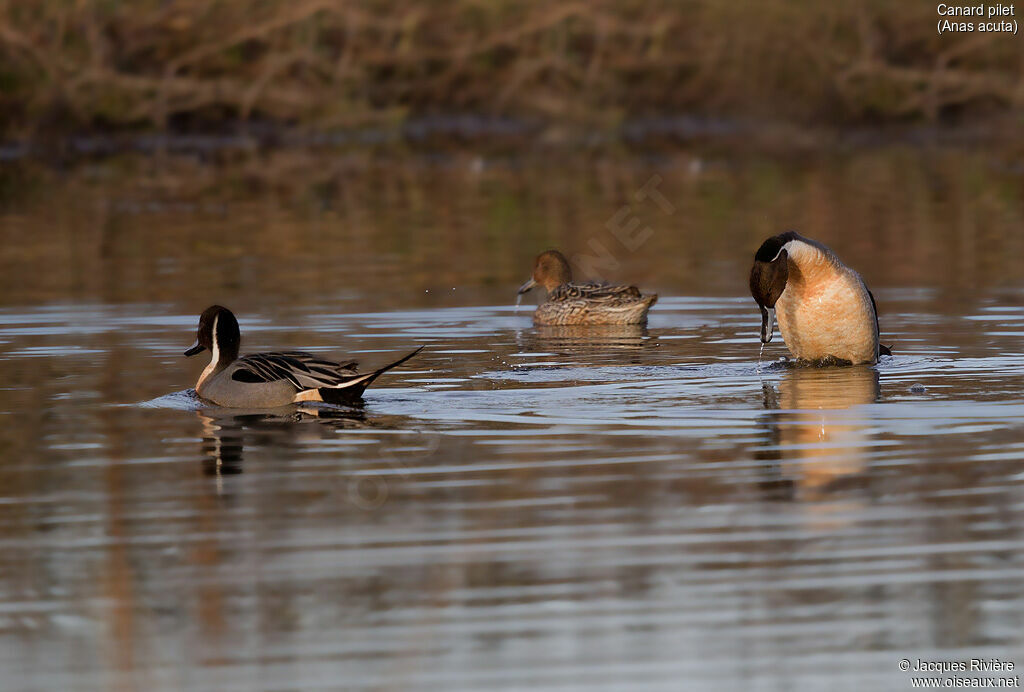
x=103, y=66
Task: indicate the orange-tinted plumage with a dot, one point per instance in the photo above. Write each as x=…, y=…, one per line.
x=824, y=309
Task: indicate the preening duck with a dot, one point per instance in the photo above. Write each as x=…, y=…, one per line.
x=268, y=380
x=582, y=303
x=824, y=309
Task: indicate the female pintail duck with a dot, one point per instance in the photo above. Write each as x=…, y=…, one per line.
x=825, y=311
x=590, y=303
x=267, y=380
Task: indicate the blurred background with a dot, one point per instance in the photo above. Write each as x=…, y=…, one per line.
x=516, y=507
x=200, y=66
x=382, y=135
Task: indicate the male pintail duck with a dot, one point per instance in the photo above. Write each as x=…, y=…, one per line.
x=268, y=380
x=825, y=311
x=590, y=303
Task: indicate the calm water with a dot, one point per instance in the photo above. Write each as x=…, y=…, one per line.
x=517, y=507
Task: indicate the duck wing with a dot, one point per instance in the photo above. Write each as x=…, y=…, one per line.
x=595, y=292
x=302, y=370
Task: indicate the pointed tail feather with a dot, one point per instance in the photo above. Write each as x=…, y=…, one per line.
x=352, y=390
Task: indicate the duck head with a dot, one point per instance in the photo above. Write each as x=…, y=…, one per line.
x=550, y=270
x=218, y=331
x=768, y=279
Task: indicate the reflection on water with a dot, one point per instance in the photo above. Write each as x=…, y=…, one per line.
x=222, y=445
x=227, y=432
x=520, y=507
x=820, y=432
x=627, y=341
x=366, y=234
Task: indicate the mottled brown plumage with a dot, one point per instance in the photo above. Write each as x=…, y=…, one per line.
x=583, y=303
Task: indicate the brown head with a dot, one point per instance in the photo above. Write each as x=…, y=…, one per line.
x=550, y=270
x=768, y=279
x=218, y=332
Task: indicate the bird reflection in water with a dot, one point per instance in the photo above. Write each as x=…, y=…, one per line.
x=227, y=431
x=818, y=433
x=586, y=339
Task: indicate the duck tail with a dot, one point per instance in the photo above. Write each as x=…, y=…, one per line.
x=352, y=390
x=884, y=350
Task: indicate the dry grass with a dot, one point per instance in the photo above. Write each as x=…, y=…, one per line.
x=152, y=64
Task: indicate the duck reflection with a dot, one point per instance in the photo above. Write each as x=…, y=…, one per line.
x=595, y=338
x=226, y=431
x=817, y=437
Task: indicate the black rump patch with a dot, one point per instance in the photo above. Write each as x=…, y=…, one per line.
x=883, y=350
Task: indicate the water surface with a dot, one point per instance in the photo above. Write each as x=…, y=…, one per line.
x=516, y=507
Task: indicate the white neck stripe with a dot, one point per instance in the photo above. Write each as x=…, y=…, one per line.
x=780, y=251
x=216, y=346
x=212, y=367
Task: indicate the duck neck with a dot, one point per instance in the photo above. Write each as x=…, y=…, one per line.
x=809, y=265
x=223, y=354
x=552, y=283
x=212, y=369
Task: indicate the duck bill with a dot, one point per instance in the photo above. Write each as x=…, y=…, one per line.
x=767, y=324
x=195, y=348
x=527, y=286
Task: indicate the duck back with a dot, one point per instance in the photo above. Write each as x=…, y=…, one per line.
x=591, y=303
x=826, y=311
